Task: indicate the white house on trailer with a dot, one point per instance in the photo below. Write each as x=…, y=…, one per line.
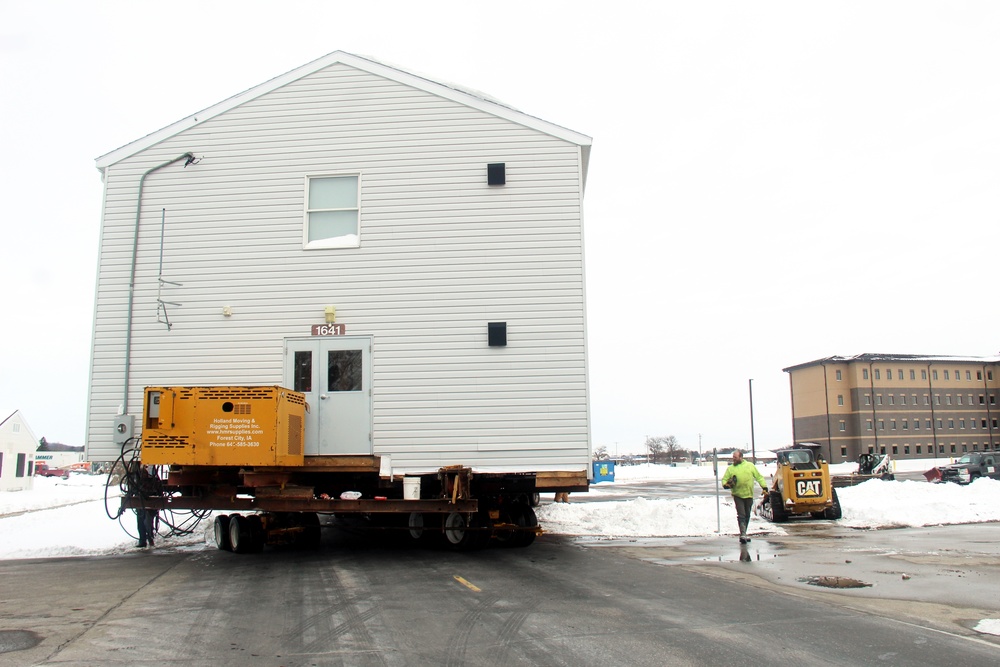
x=407, y=253
x=17, y=452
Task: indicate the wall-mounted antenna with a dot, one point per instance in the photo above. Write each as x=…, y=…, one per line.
x=161, y=305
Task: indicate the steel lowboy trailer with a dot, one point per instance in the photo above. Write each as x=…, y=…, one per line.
x=240, y=449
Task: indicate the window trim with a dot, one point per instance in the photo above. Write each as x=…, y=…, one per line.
x=337, y=241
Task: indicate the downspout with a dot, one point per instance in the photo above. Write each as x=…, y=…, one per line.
x=791, y=391
x=871, y=386
x=131, y=280
x=930, y=389
x=826, y=396
x=989, y=416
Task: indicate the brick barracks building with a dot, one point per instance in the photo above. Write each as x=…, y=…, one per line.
x=907, y=406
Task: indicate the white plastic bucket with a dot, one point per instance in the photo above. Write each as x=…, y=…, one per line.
x=411, y=488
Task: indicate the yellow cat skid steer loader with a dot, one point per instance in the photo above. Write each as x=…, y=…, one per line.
x=800, y=485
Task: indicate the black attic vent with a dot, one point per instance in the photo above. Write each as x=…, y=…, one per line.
x=497, y=333
x=496, y=173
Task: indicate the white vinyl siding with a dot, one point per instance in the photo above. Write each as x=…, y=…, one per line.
x=442, y=254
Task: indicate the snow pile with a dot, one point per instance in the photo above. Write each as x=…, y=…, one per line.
x=641, y=517
x=878, y=504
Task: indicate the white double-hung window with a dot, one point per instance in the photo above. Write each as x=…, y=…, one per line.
x=332, y=218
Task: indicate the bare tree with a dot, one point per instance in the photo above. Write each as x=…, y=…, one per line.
x=672, y=450
x=601, y=453
x=664, y=449
x=654, y=445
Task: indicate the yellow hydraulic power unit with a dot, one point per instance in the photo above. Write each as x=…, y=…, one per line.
x=223, y=426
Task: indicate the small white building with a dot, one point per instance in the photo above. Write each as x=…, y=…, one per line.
x=407, y=253
x=17, y=452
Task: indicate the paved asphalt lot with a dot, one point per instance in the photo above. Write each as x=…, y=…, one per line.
x=372, y=599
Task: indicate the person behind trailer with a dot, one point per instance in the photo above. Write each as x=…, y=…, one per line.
x=739, y=478
x=146, y=518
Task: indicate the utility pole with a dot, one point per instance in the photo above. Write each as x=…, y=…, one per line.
x=753, y=445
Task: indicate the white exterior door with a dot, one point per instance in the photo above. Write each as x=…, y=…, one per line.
x=335, y=375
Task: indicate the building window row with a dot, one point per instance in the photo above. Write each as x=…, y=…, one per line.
x=941, y=423
x=899, y=374
x=942, y=449
x=959, y=399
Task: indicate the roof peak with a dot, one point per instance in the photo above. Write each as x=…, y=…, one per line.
x=447, y=90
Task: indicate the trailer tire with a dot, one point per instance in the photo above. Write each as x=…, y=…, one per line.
x=527, y=521
x=222, y=533
x=424, y=529
x=239, y=534
x=465, y=532
x=509, y=515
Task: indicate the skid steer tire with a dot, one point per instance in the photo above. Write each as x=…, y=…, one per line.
x=833, y=512
x=777, y=507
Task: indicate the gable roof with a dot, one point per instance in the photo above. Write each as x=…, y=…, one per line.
x=449, y=91
x=8, y=415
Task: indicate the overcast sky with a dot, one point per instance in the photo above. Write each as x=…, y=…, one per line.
x=770, y=183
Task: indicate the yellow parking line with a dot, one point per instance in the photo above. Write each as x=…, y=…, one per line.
x=465, y=583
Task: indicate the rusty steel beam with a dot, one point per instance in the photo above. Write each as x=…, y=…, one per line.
x=273, y=504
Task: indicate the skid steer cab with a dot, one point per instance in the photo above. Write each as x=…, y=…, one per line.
x=800, y=486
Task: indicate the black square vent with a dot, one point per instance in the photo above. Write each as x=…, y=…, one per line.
x=497, y=333
x=496, y=173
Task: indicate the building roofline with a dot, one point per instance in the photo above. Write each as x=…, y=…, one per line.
x=449, y=91
x=868, y=357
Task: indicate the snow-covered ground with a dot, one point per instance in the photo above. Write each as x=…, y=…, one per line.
x=68, y=518
x=874, y=504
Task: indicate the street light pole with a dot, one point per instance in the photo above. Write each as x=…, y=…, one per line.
x=753, y=444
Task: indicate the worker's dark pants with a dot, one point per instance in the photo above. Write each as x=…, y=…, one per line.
x=743, y=508
x=145, y=520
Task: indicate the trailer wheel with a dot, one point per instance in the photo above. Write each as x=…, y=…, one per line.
x=508, y=515
x=521, y=516
x=222, y=533
x=239, y=534
x=527, y=521
x=423, y=528
x=834, y=512
x=465, y=532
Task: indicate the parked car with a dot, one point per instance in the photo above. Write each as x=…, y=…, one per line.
x=968, y=468
x=43, y=470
